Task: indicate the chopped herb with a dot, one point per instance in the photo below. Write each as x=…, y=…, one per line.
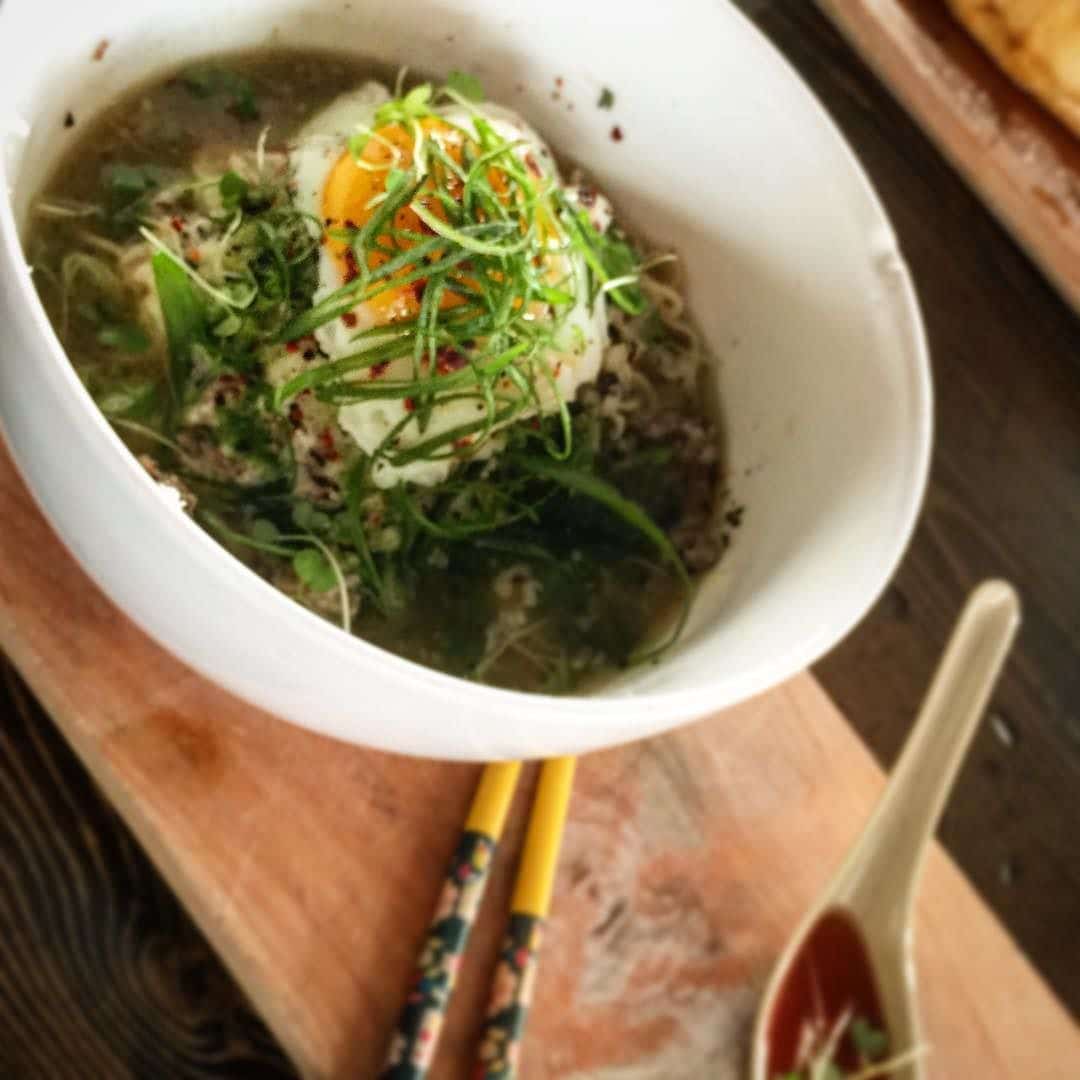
x=395, y=178
x=183, y=319
x=871, y=1042
x=127, y=337
x=314, y=570
x=129, y=400
x=824, y=1043
x=308, y=518
x=265, y=531
x=612, y=261
x=211, y=82
x=234, y=189
x=607, y=99
x=468, y=86
x=127, y=192
x=592, y=486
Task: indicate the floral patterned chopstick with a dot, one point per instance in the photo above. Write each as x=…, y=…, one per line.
x=417, y=1036
x=515, y=972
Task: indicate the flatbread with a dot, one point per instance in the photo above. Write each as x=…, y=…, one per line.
x=1037, y=42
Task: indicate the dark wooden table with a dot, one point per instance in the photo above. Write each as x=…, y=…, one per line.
x=102, y=974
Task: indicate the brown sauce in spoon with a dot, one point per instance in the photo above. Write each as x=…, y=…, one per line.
x=829, y=978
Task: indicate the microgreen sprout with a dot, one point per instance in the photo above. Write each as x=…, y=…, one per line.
x=821, y=1044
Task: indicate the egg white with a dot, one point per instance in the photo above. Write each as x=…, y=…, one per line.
x=579, y=351
x=312, y=155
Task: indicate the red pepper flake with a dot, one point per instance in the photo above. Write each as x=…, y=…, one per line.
x=350, y=224
x=616, y=134
x=352, y=271
x=292, y=346
x=534, y=423
x=296, y=416
x=558, y=369
x=194, y=257
x=177, y=223
x=349, y=319
x=464, y=441
x=448, y=360
x=329, y=448
x=102, y=47
x=379, y=370
x=418, y=289
x=559, y=81
x=531, y=165
x=409, y=404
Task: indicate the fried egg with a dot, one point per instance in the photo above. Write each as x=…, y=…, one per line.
x=332, y=186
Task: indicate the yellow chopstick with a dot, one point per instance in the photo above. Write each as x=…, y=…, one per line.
x=540, y=857
x=413, y=1047
x=500, y=1043
x=493, y=797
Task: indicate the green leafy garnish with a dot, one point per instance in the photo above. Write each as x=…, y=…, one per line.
x=265, y=531
x=871, y=1042
x=607, y=99
x=127, y=192
x=823, y=1043
x=129, y=400
x=468, y=86
x=234, y=189
x=127, y=337
x=314, y=570
x=183, y=315
x=614, y=264
x=594, y=487
x=208, y=82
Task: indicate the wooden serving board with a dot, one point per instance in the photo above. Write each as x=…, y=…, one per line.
x=1012, y=151
x=313, y=866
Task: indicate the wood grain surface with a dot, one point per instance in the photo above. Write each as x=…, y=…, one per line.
x=102, y=975
x=313, y=866
x=1024, y=162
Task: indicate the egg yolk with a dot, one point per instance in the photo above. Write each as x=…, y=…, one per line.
x=348, y=204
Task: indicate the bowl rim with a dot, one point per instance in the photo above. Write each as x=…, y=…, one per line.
x=684, y=703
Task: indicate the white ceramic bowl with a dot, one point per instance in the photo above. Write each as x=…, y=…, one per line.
x=794, y=274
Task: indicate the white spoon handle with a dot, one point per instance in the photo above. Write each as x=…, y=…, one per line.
x=880, y=876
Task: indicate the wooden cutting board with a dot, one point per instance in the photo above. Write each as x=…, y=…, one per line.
x=313, y=866
x=1012, y=151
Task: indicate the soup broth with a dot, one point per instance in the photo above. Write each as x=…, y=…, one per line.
x=395, y=359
